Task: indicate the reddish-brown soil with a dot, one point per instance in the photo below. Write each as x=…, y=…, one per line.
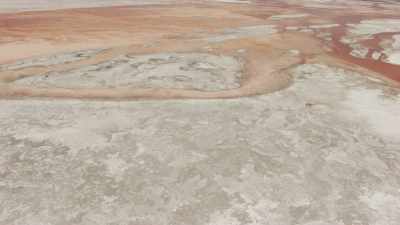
x=343, y=51
x=181, y=28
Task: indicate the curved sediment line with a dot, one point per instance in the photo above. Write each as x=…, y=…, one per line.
x=260, y=77
x=182, y=29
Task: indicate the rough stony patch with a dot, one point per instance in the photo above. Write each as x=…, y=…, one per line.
x=169, y=70
x=323, y=151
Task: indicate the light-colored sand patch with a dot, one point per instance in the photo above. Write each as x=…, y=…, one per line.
x=376, y=55
x=392, y=51
x=235, y=1
x=393, y=58
x=292, y=28
x=371, y=27
x=359, y=51
x=244, y=32
x=368, y=104
x=396, y=42
x=324, y=26
x=288, y=16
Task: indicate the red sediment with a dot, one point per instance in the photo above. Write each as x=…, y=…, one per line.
x=83, y=24
x=342, y=51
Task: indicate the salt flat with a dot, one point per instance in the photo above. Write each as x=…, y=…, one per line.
x=199, y=113
x=324, y=149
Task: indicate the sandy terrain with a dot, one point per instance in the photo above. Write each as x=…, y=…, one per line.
x=213, y=112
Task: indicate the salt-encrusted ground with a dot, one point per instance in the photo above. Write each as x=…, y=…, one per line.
x=200, y=113
x=323, y=151
x=169, y=70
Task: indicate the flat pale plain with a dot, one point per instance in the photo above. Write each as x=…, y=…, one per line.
x=199, y=113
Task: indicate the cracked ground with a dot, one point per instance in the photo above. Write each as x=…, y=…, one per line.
x=208, y=112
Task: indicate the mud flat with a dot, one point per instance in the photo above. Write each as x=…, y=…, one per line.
x=168, y=70
x=55, y=59
x=329, y=139
x=200, y=113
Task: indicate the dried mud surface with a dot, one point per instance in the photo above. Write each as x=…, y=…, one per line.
x=224, y=112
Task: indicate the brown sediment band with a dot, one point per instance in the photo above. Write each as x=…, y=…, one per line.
x=179, y=28
x=262, y=73
x=342, y=51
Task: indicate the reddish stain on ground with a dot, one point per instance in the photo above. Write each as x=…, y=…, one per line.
x=343, y=51
x=374, y=44
x=131, y=19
